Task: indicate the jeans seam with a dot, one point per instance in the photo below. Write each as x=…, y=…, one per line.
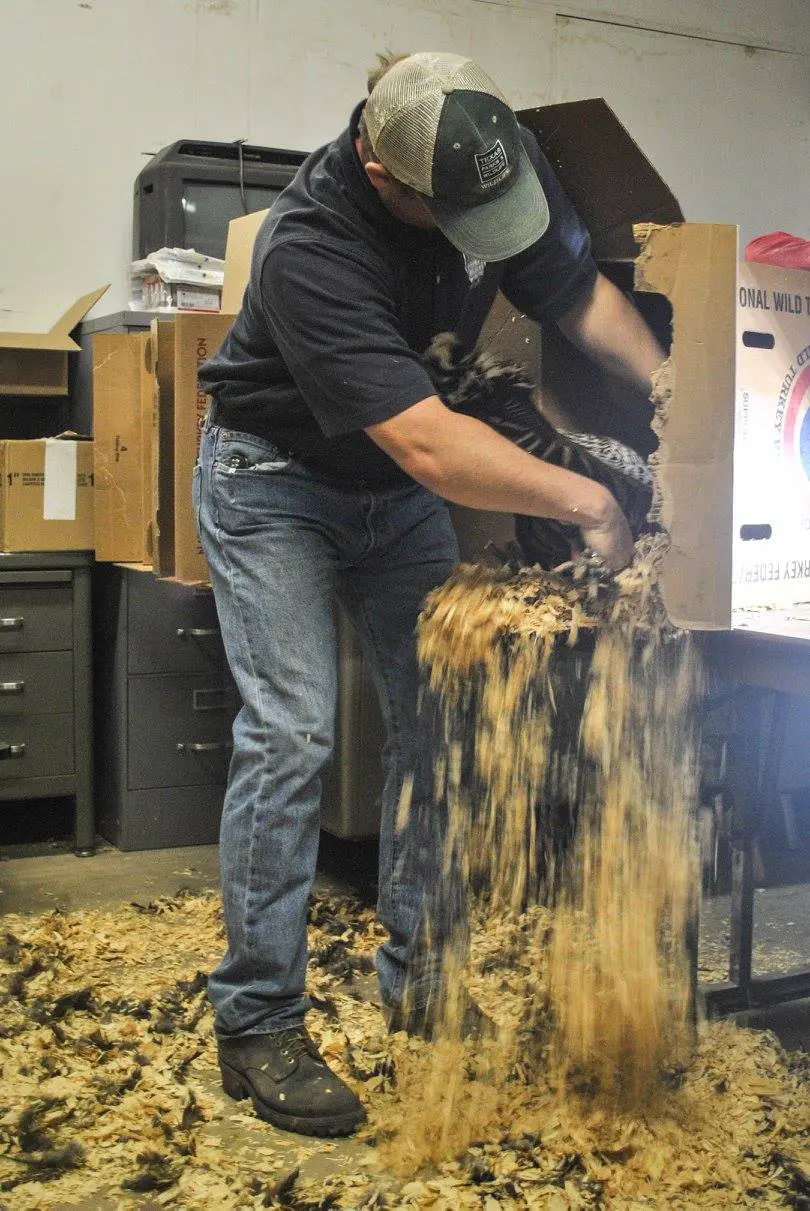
x=372, y=505
x=396, y=734
x=251, y=881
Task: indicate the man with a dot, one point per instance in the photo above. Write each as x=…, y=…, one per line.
x=324, y=467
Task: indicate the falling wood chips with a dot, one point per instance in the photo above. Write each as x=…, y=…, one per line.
x=107, y=1092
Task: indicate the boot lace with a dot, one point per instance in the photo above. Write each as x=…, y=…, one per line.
x=298, y=1043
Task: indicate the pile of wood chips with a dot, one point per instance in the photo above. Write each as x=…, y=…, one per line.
x=110, y=1096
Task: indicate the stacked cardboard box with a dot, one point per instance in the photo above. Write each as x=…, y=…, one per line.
x=122, y=427
x=148, y=412
x=46, y=495
x=46, y=485
x=36, y=363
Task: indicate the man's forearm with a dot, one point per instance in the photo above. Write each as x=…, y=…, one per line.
x=608, y=328
x=464, y=461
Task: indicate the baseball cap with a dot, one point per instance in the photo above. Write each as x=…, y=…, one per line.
x=438, y=123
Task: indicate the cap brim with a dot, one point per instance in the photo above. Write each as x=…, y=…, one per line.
x=501, y=228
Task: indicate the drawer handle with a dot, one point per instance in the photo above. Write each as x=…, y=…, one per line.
x=210, y=746
x=216, y=700
x=11, y=624
x=12, y=687
x=196, y=632
x=11, y=752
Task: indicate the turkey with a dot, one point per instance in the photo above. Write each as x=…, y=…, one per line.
x=501, y=396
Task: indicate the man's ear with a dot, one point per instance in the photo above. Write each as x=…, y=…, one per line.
x=378, y=175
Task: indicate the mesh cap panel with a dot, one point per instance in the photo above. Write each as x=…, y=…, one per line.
x=405, y=144
x=403, y=111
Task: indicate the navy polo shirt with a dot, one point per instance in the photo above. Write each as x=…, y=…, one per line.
x=342, y=300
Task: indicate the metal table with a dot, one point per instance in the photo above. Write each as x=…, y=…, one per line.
x=767, y=655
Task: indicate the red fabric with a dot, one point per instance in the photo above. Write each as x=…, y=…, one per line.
x=779, y=248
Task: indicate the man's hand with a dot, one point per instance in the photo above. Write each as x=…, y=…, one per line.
x=611, y=539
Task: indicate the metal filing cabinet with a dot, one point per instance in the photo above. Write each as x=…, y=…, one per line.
x=46, y=682
x=165, y=704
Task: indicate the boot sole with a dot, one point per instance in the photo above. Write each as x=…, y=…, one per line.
x=239, y=1087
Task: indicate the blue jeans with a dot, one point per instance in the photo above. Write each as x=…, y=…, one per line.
x=281, y=544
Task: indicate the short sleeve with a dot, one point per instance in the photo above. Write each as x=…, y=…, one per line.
x=334, y=321
x=554, y=274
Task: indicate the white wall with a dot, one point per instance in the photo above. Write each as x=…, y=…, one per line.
x=90, y=88
x=728, y=127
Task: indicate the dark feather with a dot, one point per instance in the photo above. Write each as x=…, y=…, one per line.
x=501, y=396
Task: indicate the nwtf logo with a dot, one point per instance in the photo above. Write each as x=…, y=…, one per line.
x=792, y=420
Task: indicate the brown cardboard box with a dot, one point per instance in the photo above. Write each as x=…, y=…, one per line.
x=197, y=336
x=46, y=495
x=147, y=385
x=35, y=363
x=771, y=552
x=238, y=250
x=161, y=366
x=122, y=425
x=694, y=265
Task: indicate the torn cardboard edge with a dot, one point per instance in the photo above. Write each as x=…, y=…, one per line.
x=35, y=363
x=694, y=265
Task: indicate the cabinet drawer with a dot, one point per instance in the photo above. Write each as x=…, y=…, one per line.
x=36, y=683
x=179, y=731
x=36, y=618
x=172, y=628
x=41, y=746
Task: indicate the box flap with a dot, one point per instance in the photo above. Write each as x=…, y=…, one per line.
x=238, y=253
x=58, y=339
x=604, y=172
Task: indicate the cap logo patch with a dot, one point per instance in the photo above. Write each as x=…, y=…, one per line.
x=492, y=165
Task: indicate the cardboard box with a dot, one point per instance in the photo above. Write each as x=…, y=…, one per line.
x=122, y=431
x=771, y=550
x=238, y=252
x=177, y=348
x=36, y=363
x=46, y=495
x=161, y=478
x=147, y=392
x=197, y=337
x=694, y=266
x=717, y=441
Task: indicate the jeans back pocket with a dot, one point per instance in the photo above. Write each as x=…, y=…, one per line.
x=241, y=453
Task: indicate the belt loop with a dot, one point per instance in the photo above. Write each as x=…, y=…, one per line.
x=209, y=421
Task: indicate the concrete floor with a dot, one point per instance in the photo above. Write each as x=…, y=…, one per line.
x=54, y=878
x=58, y=879
x=50, y=879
